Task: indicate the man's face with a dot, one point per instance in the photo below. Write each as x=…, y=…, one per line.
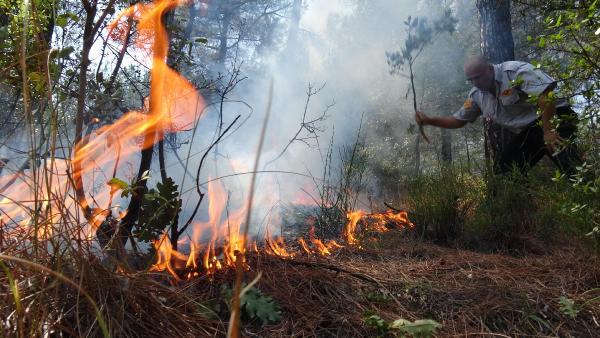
x=481, y=76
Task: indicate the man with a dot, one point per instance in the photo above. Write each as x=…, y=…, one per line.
x=509, y=94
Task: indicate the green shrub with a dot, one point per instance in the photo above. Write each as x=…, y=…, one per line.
x=440, y=202
x=504, y=212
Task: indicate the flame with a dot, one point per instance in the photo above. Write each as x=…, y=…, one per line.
x=332, y=245
x=191, y=260
x=304, y=245
x=173, y=105
x=350, y=228
x=223, y=245
x=168, y=258
x=397, y=219
x=321, y=248
x=277, y=247
x=37, y=203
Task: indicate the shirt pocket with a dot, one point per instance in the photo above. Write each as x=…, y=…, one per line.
x=509, y=97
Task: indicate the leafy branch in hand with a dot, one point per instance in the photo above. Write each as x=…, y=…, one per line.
x=420, y=35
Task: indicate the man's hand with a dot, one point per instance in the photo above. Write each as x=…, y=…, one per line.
x=421, y=118
x=552, y=140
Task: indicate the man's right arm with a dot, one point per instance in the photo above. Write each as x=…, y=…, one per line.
x=448, y=122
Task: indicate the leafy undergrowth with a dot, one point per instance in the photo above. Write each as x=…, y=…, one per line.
x=389, y=286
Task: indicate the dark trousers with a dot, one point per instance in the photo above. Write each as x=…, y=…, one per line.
x=528, y=147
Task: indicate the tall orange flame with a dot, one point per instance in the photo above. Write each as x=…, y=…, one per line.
x=350, y=228
x=173, y=105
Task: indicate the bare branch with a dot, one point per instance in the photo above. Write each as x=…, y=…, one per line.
x=310, y=127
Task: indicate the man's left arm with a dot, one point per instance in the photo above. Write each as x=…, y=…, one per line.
x=533, y=81
x=547, y=105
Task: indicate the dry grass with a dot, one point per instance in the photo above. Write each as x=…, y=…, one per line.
x=468, y=292
x=131, y=305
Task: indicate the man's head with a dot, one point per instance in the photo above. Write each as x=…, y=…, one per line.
x=480, y=72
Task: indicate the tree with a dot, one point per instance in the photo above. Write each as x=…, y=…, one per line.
x=498, y=46
x=236, y=27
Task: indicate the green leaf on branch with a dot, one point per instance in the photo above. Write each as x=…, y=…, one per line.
x=63, y=19
x=255, y=305
x=117, y=184
x=160, y=208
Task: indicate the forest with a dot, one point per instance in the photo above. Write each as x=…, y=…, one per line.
x=292, y=168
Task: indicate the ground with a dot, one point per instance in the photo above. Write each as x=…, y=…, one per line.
x=469, y=293
x=354, y=292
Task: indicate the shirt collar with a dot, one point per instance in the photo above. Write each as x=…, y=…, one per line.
x=498, y=73
x=498, y=77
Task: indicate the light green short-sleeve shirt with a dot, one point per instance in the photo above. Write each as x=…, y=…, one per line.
x=515, y=81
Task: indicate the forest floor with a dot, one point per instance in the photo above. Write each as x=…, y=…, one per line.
x=469, y=293
x=385, y=278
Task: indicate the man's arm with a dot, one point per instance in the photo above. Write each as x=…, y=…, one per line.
x=536, y=82
x=548, y=108
x=448, y=122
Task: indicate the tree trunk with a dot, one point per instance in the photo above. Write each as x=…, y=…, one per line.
x=294, y=23
x=496, y=32
x=498, y=46
x=446, y=146
x=88, y=41
x=417, y=155
x=223, y=36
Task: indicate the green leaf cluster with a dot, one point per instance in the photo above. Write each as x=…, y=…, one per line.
x=160, y=208
x=420, y=34
x=568, y=307
x=256, y=305
x=569, y=47
x=33, y=21
x=420, y=328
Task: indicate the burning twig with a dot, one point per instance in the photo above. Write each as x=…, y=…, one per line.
x=391, y=207
x=198, y=184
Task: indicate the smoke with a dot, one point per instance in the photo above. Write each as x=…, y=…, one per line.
x=340, y=49
x=337, y=56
